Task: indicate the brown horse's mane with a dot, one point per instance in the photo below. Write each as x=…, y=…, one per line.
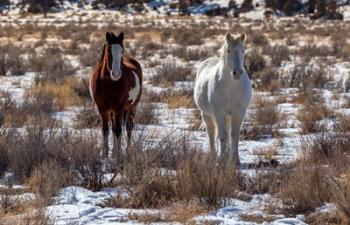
x=103, y=52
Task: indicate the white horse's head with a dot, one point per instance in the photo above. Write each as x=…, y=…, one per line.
x=233, y=53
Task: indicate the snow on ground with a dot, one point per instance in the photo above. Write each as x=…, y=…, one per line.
x=237, y=211
x=76, y=205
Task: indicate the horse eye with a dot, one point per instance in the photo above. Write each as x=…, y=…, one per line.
x=242, y=51
x=228, y=51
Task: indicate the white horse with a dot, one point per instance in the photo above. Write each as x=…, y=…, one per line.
x=223, y=92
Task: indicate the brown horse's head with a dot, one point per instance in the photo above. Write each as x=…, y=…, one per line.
x=115, y=51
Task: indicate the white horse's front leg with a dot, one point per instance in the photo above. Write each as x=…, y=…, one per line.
x=210, y=126
x=222, y=129
x=235, y=131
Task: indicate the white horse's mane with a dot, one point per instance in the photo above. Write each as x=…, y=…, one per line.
x=223, y=51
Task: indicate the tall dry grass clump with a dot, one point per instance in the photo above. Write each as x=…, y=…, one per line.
x=320, y=176
x=311, y=113
x=171, y=171
x=264, y=120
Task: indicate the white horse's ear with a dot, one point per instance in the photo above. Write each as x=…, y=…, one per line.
x=228, y=36
x=242, y=37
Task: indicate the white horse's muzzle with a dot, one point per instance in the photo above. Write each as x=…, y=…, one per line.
x=236, y=74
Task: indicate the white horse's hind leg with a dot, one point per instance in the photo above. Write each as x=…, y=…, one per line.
x=235, y=132
x=211, y=129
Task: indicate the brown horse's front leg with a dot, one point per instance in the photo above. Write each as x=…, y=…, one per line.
x=117, y=133
x=129, y=125
x=105, y=130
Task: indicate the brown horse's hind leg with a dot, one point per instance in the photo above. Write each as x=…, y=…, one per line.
x=116, y=119
x=105, y=130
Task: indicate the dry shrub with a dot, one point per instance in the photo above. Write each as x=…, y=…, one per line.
x=178, y=99
x=327, y=217
x=145, y=113
x=277, y=53
x=267, y=80
x=83, y=156
x=341, y=195
x=77, y=152
x=146, y=217
x=170, y=71
x=26, y=152
x=258, y=39
x=149, y=48
x=4, y=159
x=257, y=218
x=184, y=212
x=320, y=176
x=38, y=106
x=12, y=61
x=48, y=178
x=63, y=94
x=312, y=112
x=87, y=118
x=255, y=62
x=51, y=65
x=91, y=55
x=198, y=53
x=343, y=123
x=314, y=51
x=25, y=214
x=265, y=120
x=187, y=36
x=307, y=188
x=307, y=76
x=265, y=182
x=169, y=170
x=29, y=218
x=81, y=88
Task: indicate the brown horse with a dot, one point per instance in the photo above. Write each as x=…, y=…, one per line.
x=115, y=87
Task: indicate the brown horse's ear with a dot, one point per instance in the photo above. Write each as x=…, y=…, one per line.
x=121, y=37
x=109, y=37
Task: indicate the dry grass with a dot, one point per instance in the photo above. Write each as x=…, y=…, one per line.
x=311, y=113
x=178, y=99
x=267, y=80
x=306, y=188
x=256, y=218
x=51, y=65
x=264, y=121
x=184, y=212
x=146, y=218
x=320, y=175
x=12, y=61
x=48, y=178
x=64, y=94
x=69, y=153
x=172, y=171
x=169, y=72
x=277, y=53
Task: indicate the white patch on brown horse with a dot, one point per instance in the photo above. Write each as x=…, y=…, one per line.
x=134, y=92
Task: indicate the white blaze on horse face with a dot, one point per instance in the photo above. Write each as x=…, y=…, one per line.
x=134, y=92
x=117, y=54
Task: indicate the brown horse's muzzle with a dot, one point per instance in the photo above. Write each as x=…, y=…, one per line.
x=115, y=76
